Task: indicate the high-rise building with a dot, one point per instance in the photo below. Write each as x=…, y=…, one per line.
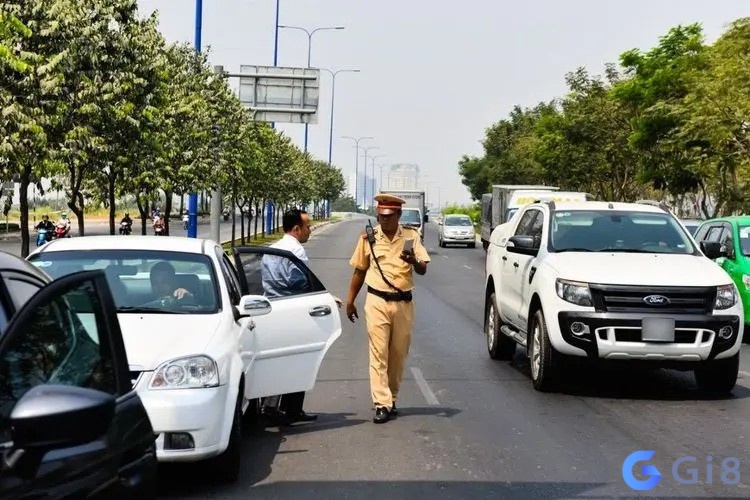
x=401, y=176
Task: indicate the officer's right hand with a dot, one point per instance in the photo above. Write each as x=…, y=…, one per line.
x=351, y=312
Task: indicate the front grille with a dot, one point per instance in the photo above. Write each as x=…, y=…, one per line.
x=634, y=335
x=630, y=298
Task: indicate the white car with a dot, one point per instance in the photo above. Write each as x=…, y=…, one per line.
x=199, y=362
x=610, y=282
x=457, y=229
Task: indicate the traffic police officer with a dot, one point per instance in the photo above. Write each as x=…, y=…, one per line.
x=384, y=262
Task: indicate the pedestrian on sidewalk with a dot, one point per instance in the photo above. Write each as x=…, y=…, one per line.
x=385, y=261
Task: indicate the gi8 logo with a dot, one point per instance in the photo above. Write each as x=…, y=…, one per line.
x=730, y=474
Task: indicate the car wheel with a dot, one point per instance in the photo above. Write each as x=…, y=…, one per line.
x=545, y=361
x=472, y=245
x=499, y=346
x=441, y=243
x=718, y=377
x=227, y=465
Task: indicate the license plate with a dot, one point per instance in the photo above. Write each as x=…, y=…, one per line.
x=657, y=330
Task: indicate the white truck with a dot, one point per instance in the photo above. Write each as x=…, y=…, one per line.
x=610, y=282
x=499, y=206
x=414, y=211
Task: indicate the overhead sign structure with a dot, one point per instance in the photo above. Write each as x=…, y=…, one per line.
x=280, y=94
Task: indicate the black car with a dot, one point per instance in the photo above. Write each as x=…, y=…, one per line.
x=71, y=425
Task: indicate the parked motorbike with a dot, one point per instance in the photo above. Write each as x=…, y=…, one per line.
x=41, y=237
x=125, y=228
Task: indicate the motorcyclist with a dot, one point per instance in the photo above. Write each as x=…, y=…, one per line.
x=126, y=220
x=45, y=223
x=158, y=223
x=64, y=222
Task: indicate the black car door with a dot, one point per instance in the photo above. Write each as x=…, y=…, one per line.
x=68, y=335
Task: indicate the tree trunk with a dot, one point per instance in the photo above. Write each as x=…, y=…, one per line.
x=234, y=218
x=257, y=211
x=143, y=209
x=182, y=203
x=263, y=222
x=167, y=210
x=242, y=225
x=25, y=180
x=76, y=205
x=111, y=180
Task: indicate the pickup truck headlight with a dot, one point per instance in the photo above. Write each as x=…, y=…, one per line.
x=193, y=372
x=726, y=297
x=574, y=292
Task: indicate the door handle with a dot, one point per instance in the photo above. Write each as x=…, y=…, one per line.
x=320, y=311
x=251, y=325
x=515, y=264
x=505, y=257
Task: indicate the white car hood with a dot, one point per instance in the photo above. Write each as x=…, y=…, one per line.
x=638, y=269
x=151, y=339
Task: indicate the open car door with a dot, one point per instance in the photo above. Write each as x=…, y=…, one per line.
x=288, y=344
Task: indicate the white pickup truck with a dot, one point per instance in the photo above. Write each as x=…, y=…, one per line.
x=610, y=281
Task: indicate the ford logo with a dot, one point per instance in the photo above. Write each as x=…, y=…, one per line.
x=656, y=300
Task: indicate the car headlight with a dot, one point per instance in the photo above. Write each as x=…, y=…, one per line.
x=746, y=281
x=574, y=292
x=186, y=373
x=726, y=297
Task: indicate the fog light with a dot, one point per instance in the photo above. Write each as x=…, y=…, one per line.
x=726, y=332
x=579, y=328
x=178, y=441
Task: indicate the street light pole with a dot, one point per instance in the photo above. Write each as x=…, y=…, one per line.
x=356, y=166
x=309, y=50
x=193, y=197
x=373, y=171
x=333, y=95
x=364, y=181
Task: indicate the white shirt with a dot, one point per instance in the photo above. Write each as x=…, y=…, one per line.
x=281, y=277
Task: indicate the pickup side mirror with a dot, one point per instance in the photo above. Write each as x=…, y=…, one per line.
x=50, y=417
x=522, y=244
x=426, y=217
x=254, y=305
x=712, y=249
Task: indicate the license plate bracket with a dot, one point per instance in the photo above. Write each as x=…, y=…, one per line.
x=657, y=329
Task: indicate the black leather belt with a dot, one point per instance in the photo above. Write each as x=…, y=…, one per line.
x=391, y=296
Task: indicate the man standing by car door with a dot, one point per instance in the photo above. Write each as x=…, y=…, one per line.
x=384, y=260
x=279, y=278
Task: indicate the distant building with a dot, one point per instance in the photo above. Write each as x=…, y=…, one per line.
x=402, y=176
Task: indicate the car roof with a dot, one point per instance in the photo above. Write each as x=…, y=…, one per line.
x=606, y=205
x=10, y=262
x=740, y=219
x=132, y=242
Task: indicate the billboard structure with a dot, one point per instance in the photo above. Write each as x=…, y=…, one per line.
x=280, y=94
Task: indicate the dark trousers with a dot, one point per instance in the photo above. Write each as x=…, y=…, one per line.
x=291, y=404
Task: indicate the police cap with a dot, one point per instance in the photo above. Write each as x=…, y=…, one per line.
x=388, y=204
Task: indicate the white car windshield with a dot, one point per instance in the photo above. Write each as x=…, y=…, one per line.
x=618, y=231
x=457, y=221
x=144, y=281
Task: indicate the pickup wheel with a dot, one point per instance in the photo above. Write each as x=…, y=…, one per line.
x=499, y=346
x=545, y=361
x=718, y=377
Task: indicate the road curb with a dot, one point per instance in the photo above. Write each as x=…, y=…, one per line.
x=312, y=229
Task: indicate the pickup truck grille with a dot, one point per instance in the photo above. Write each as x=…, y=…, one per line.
x=633, y=298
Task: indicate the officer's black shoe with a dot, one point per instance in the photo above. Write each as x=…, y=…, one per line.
x=394, y=411
x=381, y=415
x=300, y=417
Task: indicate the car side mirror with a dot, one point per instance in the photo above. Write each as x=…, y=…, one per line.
x=426, y=217
x=254, y=305
x=51, y=417
x=712, y=249
x=523, y=244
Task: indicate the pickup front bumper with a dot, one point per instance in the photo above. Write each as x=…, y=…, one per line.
x=618, y=336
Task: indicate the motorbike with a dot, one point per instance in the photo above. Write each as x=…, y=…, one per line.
x=225, y=213
x=125, y=228
x=159, y=230
x=61, y=231
x=41, y=237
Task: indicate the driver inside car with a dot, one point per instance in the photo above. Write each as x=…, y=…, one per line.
x=164, y=282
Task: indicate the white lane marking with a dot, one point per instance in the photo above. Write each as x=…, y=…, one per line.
x=467, y=267
x=445, y=256
x=745, y=374
x=429, y=396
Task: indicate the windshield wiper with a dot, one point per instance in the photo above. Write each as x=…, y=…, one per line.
x=573, y=249
x=152, y=310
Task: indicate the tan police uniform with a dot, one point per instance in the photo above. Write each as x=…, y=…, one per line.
x=389, y=322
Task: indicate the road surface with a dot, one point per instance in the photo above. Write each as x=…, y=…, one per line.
x=471, y=427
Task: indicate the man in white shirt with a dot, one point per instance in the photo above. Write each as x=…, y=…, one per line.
x=281, y=277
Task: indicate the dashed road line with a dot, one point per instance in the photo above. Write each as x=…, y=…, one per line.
x=429, y=396
x=467, y=267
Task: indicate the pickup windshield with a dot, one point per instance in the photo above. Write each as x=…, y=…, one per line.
x=144, y=281
x=618, y=231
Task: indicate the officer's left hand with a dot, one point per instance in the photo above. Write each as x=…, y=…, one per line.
x=409, y=256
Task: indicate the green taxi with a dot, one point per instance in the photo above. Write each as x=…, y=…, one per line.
x=733, y=234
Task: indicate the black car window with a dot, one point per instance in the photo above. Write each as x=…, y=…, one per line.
x=60, y=346
x=526, y=223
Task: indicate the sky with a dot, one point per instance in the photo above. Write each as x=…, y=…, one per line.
x=433, y=74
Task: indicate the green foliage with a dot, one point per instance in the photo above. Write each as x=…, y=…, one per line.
x=473, y=211
x=671, y=122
